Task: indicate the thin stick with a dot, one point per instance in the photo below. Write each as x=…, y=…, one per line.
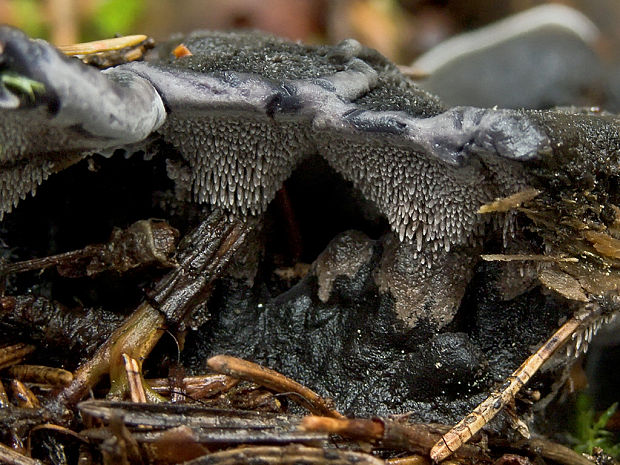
x=104, y=45
x=206, y=252
x=12, y=457
x=408, y=460
x=132, y=369
x=486, y=411
x=45, y=262
x=136, y=336
x=367, y=430
x=14, y=354
x=391, y=434
x=4, y=398
x=23, y=395
x=525, y=258
x=196, y=387
x=41, y=374
x=289, y=455
x=248, y=371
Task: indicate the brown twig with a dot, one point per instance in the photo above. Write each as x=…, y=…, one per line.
x=273, y=380
x=527, y=257
x=45, y=262
x=409, y=460
x=367, y=430
x=127, y=441
x=413, y=437
x=145, y=242
x=174, y=445
x=96, y=46
x=136, y=336
x=24, y=396
x=14, y=354
x=41, y=374
x=4, y=398
x=11, y=457
x=56, y=428
x=196, y=387
x=509, y=203
x=202, y=257
x=132, y=370
x=550, y=450
x=486, y=411
x=287, y=455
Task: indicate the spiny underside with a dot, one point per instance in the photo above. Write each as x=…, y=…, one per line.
x=245, y=108
x=424, y=200
x=240, y=164
x=20, y=180
x=20, y=173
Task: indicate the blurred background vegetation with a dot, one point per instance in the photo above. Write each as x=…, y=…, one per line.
x=400, y=29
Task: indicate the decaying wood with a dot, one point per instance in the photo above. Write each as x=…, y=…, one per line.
x=146, y=242
x=202, y=256
x=210, y=427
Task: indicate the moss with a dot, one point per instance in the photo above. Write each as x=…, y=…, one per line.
x=590, y=431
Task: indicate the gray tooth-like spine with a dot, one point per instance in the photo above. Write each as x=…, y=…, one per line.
x=592, y=322
x=425, y=200
x=578, y=337
x=242, y=132
x=18, y=181
x=232, y=170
